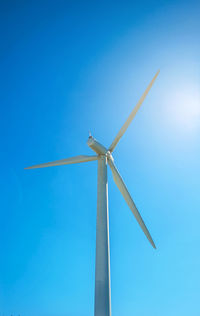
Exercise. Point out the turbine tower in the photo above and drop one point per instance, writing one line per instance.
(104, 157)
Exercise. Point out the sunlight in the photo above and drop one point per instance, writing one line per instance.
(184, 109)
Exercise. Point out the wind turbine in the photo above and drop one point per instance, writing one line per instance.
(104, 158)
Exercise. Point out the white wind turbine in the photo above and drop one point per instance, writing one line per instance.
(104, 157)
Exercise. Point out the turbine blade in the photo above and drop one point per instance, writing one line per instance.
(124, 191)
(66, 161)
(132, 115)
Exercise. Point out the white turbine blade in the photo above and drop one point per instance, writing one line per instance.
(66, 161)
(124, 191)
(132, 115)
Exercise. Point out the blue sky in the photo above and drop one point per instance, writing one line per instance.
(68, 67)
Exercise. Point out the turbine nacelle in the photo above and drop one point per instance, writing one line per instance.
(96, 146)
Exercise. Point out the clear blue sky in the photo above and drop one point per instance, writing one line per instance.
(68, 67)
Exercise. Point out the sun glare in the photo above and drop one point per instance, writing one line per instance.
(184, 109)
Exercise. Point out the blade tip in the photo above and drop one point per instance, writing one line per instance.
(154, 246)
(157, 73)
